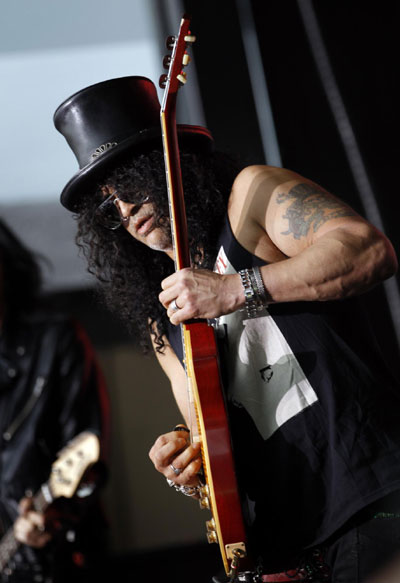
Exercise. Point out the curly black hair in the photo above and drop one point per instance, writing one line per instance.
(130, 272)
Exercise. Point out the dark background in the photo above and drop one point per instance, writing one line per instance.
(361, 40)
(362, 43)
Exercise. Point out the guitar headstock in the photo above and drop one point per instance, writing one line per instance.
(176, 61)
(71, 464)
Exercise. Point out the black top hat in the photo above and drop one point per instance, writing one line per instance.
(106, 120)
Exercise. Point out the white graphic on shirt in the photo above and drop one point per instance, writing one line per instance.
(222, 263)
(264, 375)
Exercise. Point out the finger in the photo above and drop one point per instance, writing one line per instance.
(37, 519)
(25, 504)
(175, 284)
(34, 539)
(28, 533)
(181, 462)
(162, 455)
(168, 281)
(167, 296)
(187, 312)
(190, 475)
(175, 306)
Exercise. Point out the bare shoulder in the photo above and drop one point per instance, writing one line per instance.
(277, 209)
(255, 185)
(252, 176)
(252, 197)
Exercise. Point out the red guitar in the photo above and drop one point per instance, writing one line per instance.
(220, 494)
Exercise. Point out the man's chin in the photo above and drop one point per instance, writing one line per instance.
(159, 241)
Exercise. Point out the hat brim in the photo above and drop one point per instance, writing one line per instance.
(87, 178)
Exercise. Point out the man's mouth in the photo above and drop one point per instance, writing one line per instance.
(143, 225)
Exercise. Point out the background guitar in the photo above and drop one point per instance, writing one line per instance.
(66, 475)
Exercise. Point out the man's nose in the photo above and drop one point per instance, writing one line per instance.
(127, 209)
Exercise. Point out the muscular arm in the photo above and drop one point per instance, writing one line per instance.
(328, 251)
(317, 248)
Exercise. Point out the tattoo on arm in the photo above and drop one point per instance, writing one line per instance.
(308, 209)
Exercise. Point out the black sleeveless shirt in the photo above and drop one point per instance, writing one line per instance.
(314, 415)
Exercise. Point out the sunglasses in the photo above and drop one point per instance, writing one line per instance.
(109, 215)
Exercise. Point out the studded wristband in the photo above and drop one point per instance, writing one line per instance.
(250, 295)
(260, 286)
(254, 290)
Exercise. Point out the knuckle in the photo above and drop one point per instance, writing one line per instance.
(160, 441)
(158, 460)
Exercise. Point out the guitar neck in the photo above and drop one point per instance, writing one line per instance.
(175, 192)
(205, 393)
(9, 544)
(171, 151)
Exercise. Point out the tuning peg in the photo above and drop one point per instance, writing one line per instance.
(170, 42)
(190, 38)
(182, 77)
(163, 80)
(166, 61)
(185, 60)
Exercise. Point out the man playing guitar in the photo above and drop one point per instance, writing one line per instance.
(278, 264)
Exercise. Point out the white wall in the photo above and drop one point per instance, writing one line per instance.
(49, 50)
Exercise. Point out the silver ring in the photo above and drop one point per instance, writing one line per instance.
(174, 306)
(176, 471)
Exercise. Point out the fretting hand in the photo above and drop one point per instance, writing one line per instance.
(29, 528)
(200, 293)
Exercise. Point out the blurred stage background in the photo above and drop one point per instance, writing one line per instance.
(311, 86)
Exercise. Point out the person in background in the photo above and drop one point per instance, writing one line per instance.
(51, 390)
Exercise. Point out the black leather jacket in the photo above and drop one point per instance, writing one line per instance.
(50, 390)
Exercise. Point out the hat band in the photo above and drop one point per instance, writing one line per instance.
(103, 148)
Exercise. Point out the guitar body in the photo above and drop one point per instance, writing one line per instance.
(221, 494)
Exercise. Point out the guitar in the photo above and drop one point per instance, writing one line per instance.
(66, 474)
(220, 493)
